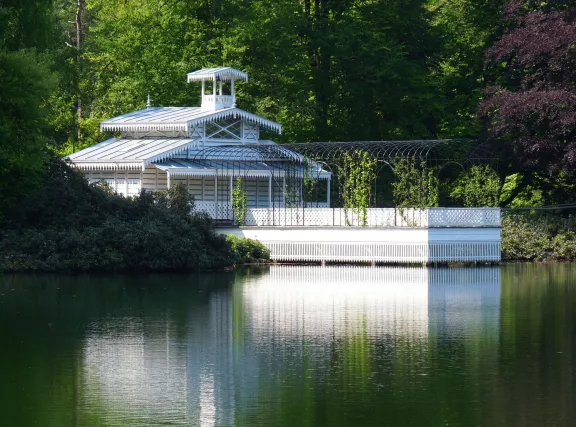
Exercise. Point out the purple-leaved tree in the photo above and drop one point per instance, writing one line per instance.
(531, 107)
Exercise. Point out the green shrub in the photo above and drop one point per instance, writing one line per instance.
(478, 187)
(564, 245)
(74, 227)
(247, 250)
(524, 238)
(535, 236)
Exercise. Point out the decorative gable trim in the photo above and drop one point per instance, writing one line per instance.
(237, 113)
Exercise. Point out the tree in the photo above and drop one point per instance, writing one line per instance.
(416, 184)
(530, 110)
(478, 187)
(26, 82)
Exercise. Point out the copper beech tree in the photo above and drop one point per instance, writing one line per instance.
(531, 107)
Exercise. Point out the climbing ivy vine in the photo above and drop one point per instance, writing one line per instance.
(310, 181)
(239, 202)
(356, 175)
(478, 187)
(416, 184)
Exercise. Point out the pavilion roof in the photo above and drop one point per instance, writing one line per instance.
(129, 153)
(223, 167)
(179, 118)
(221, 73)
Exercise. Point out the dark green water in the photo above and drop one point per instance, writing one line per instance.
(292, 346)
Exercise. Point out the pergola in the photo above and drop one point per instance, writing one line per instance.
(305, 172)
(440, 155)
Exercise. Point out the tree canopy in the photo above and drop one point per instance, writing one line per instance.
(328, 70)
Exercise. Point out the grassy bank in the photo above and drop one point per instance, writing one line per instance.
(536, 236)
(71, 226)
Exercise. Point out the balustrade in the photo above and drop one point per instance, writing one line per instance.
(375, 217)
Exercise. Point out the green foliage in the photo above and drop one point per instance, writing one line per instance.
(68, 225)
(478, 187)
(247, 250)
(533, 236)
(416, 184)
(310, 181)
(357, 174)
(465, 28)
(25, 83)
(180, 201)
(239, 202)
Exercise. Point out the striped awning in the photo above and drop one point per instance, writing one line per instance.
(221, 73)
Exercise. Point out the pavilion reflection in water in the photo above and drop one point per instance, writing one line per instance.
(248, 341)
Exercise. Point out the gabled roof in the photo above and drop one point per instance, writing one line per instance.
(222, 73)
(129, 153)
(178, 118)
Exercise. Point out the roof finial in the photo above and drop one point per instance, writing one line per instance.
(148, 104)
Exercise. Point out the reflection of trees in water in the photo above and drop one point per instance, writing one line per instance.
(295, 346)
(83, 349)
(534, 383)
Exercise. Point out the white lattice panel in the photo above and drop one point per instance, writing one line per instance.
(464, 217)
(207, 207)
(224, 211)
(260, 217)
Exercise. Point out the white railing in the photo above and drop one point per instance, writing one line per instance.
(385, 251)
(375, 217)
(385, 217)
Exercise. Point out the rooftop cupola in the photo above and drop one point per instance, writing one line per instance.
(222, 81)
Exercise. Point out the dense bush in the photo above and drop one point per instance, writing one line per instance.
(69, 225)
(533, 236)
(247, 250)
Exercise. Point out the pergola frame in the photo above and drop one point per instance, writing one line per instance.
(288, 166)
(463, 153)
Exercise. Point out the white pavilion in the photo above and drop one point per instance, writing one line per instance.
(204, 148)
(207, 148)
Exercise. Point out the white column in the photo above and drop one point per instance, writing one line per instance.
(230, 205)
(270, 191)
(328, 191)
(215, 191)
(168, 180)
(203, 89)
(214, 92)
(232, 92)
(220, 87)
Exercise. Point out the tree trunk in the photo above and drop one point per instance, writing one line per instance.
(79, 8)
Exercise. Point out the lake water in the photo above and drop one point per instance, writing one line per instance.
(292, 346)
